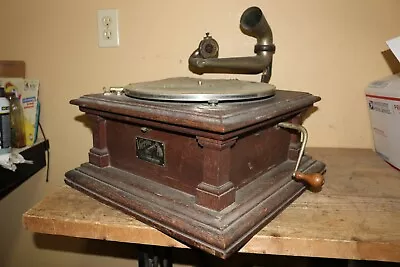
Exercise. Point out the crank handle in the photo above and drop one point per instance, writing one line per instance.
(314, 180)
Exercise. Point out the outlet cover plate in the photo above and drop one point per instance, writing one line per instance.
(108, 28)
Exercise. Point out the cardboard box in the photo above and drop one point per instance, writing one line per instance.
(383, 99)
(394, 45)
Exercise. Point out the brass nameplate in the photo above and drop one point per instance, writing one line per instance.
(150, 150)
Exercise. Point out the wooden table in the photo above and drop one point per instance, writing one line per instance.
(355, 216)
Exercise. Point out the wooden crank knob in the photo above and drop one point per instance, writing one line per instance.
(314, 180)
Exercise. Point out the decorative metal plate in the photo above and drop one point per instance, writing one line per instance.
(150, 150)
(199, 90)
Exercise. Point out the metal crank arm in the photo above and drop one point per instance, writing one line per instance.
(314, 180)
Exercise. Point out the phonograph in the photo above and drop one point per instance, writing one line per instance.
(207, 161)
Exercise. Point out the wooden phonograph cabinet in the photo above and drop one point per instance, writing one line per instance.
(207, 161)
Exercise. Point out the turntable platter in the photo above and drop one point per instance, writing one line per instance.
(199, 90)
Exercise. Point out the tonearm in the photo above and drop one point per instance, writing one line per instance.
(253, 23)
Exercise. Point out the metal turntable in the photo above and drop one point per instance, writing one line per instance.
(199, 90)
(207, 161)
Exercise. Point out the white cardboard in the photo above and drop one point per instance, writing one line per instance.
(383, 101)
(394, 45)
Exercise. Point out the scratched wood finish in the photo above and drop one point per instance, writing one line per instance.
(218, 232)
(212, 175)
(196, 138)
(223, 118)
(252, 153)
(258, 152)
(355, 216)
(183, 168)
(216, 154)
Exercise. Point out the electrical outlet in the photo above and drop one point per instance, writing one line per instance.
(108, 30)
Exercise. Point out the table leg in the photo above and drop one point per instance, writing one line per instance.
(153, 256)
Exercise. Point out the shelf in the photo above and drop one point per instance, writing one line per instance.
(10, 180)
(355, 216)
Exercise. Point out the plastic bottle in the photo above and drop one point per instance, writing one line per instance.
(17, 122)
(5, 127)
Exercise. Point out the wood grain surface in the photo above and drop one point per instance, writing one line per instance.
(355, 216)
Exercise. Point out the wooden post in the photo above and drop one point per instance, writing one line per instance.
(216, 191)
(98, 154)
